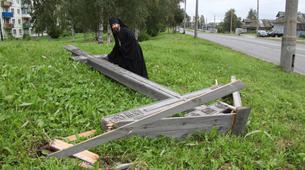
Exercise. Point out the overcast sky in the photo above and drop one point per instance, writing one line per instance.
(211, 8)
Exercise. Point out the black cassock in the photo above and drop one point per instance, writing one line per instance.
(127, 52)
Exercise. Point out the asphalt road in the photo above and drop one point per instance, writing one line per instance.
(268, 50)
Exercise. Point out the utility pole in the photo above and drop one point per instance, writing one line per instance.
(185, 17)
(196, 21)
(214, 25)
(290, 36)
(257, 16)
(231, 24)
(1, 34)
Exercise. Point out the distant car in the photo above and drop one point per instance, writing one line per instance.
(274, 34)
(262, 33)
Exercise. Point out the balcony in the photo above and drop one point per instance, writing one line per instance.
(6, 4)
(7, 14)
(26, 16)
(26, 26)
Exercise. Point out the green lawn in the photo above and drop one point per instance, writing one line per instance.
(44, 95)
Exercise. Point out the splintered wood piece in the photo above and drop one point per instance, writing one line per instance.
(84, 134)
(236, 95)
(240, 120)
(180, 105)
(86, 156)
(85, 165)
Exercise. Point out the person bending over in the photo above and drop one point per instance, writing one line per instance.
(127, 52)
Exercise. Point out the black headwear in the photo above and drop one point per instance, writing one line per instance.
(117, 21)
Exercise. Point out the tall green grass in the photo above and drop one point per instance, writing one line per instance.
(44, 95)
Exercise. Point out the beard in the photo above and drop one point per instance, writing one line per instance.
(116, 30)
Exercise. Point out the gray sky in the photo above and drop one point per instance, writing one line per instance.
(211, 8)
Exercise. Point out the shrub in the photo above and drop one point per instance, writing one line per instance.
(54, 32)
(26, 37)
(143, 36)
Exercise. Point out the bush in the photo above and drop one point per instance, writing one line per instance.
(302, 35)
(143, 36)
(66, 34)
(54, 32)
(26, 37)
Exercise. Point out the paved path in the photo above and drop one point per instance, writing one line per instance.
(267, 50)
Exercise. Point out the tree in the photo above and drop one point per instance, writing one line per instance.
(151, 16)
(236, 21)
(46, 17)
(252, 14)
(201, 21)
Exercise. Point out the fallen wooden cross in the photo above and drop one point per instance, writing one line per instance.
(155, 119)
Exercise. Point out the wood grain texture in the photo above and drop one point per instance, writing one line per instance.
(86, 156)
(179, 106)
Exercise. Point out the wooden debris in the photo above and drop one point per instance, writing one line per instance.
(84, 134)
(236, 95)
(121, 119)
(177, 106)
(240, 120)
(154, 119)
(123, 166)
(86, 156)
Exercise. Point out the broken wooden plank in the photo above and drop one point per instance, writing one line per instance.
(125, 77)
(81, 135)
(86, 156)
(134, 114)
(179, 106)
(236, 95)
(240, 120)
(112, 123)
(189, 124)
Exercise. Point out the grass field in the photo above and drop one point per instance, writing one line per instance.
(44, 95)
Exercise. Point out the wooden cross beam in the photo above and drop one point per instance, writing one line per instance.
(123, 118)
(145, 110)
(176, 106)
(129, 79)
(123, 76)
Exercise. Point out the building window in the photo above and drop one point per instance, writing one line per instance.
(13, 11)
(18, 1)
(19, 21)
(13, 21)
(20, 31)
(18, 11)
(14, 31)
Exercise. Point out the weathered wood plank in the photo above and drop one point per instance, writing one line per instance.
(179, 106)
(86, 156)
(112, 122)
(132, 80)
(236, 95)
(125, 77)
(135, 114)
(186, 123)
(240, 120)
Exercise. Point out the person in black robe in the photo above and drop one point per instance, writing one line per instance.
(126, 52)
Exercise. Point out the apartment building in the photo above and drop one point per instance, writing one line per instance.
(15, 18)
